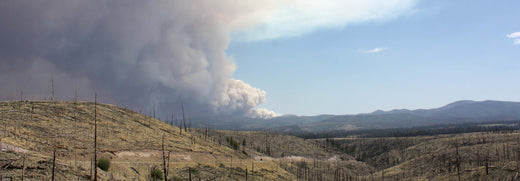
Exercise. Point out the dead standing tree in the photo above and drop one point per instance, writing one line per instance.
(165, 159)
(487, 162)
(54, 164)
(54, 154)
(23, 166)
(183, 117)
(95, 136)
(52, 87)
(75, 131)
(457, 160)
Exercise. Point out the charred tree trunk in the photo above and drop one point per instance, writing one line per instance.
(54, 165)
(95, 137)
(487, 166)
(458, 161)
(23, 167)
(75, 131)
(165, 167)
(52, 87)
(180, 128)
(189, 171)
(183, 117)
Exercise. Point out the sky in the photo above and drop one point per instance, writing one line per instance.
(432, 54)
(261, 58)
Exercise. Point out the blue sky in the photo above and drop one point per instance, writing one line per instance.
(435, 53)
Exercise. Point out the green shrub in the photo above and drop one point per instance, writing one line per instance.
(103, 164)
(156, 174)
(234, 144)
(194, 171)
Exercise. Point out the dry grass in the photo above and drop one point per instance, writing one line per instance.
(306, 159)
(131, 140)
(133, 143)
(272, 144)
(435, 157)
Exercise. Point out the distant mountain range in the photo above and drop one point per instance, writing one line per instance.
(456, 112)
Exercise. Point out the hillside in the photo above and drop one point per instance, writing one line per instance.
(470, 156)
(131, 141)
(457, 112)
(31, 130)
(306, 159)
(247, 123)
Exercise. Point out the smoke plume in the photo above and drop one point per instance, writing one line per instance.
(141, 53)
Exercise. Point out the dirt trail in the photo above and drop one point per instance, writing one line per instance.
(293, 158)
(11, 148)
(174, 156)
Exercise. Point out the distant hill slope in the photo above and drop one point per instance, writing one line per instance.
(467, 109)
(247, 123)
(456, 112)
(131, 140)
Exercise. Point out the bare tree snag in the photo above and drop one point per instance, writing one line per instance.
(183, 117)
(165, 167)
(189, 171)
(52, 87)
(180, 128)
(23, 167)
(54, 164)
(458, 160)
(95, 137)
(21, 100)
(487, 166)
(75, 131)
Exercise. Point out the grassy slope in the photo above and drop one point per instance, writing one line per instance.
(306, 159)
(131, 140)
(435, 157)
(271, 144)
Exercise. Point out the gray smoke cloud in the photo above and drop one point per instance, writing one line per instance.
(139, 53)
(136, 53)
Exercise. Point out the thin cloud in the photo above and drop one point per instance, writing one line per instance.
(375, 50)
(272, 19)
(515, 35)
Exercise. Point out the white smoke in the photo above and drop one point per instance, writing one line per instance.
(262, 113)
(158, 52)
